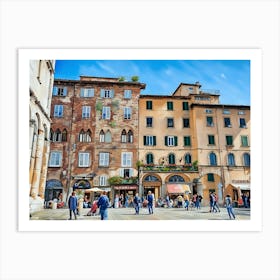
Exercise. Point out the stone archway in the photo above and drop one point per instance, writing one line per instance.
(152, 182)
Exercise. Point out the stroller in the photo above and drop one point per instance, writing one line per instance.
(93, 209)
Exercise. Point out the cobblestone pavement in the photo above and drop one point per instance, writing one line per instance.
(159, 214)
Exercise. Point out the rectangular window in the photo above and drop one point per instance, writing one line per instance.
(185, 105)
(126, 172)
(106, 113)
(127, 113)
(186, 122)
(244, 141)
(83, 159)
(149, 122)
(170, 122)
(149, 105)
(211, 139)
(241, 113)
(171, 141)
(227, 122)
(229, 140)
(126, 159)
(127, 93)
(209, 121)
(242, 123)
(149, 140)
(187, 141)
(169, 105)
(85, 112)
(87, 92)
(103, 159)
(107, 93)
(58, 111)
(103, 180)
(59, 91)
(208, 111)
(55, 159)
(210, 177)
(226, 112)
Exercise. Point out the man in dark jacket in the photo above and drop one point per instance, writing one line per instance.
(103, 204)
(150, 199)
(136, 201)
(72, 204)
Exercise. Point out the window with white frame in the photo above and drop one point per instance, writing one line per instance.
(123, 136)
(84, 160)
(59, 91)
(55, 159)
(58, 111)
(127, 93)
(127, 113)
(171, 141)
(106, 113)
(126, 159)
(103, 159)
(149, 140)
(87, 92)
(126, 172)
(107, 93)
(101, 136)
(85, 112)
(103, 180)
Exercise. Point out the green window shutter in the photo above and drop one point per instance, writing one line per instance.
(210, 177)
(185, 105)
(149, 105)
(165, 141)
(112, 93)
(169, 105)
(176, 140)
(187, 140)
(145, 140)
(154, 140)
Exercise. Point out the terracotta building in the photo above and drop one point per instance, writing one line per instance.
(94, 136)
(189, 143)
(40, 91)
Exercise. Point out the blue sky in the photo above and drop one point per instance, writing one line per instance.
(230, 77)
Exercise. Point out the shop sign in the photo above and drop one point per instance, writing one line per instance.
(125, 187)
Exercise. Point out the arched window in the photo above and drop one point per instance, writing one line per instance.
(108, 137)
(176, 179)
(123, 136)
(57, 135)
(213, 159)
(130, 136)
(149, 158)
(88, 136)
(151, 178)
(188, 159)
(101, 136)
(246, 159)
(51, 135)
(171, 159)
(81, 136)
(64, 135)
(231, 160)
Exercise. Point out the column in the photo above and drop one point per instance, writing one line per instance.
(44, 169)
(38, 163)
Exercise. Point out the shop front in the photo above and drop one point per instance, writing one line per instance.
(152, 183)
(53, 189)
(174, 190)
(240, 194)
(124, 193)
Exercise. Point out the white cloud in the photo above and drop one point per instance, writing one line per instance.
(223, 76)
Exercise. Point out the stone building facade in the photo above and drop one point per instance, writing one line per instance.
(190, 143)
(106, 134)
(40, 91)
(94, 136)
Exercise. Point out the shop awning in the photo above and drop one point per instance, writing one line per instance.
(187, 188)
(244, 187)
(175, 189)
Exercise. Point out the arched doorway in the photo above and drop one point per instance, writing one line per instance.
(152, 182)
(53, 189)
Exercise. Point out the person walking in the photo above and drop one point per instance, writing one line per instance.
(216, 206)
(103, 204)
(150, 199)
(136, 201)
(228, 203)
(187, 201)
(72, 204)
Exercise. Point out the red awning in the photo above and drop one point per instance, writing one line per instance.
(175, 188)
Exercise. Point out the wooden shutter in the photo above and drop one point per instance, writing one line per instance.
(175, 141)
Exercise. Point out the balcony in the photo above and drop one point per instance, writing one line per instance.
(169, 168)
